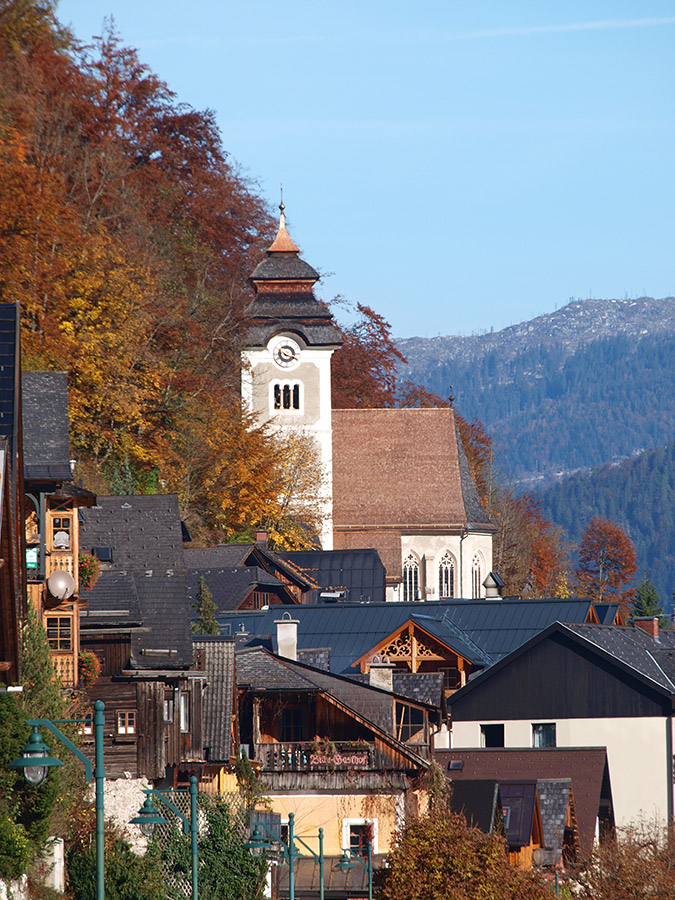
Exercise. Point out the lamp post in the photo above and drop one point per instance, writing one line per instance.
(148, 817)
(36, 762)
(318, 857)
(258, 845)
(346, 864)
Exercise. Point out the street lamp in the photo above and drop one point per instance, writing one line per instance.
(257, 845)
(36, 762)
(148, 817)
(345, 864)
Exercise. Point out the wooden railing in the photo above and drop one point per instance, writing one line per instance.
(308, 756)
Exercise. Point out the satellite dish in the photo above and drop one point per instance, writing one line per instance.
(61, 584)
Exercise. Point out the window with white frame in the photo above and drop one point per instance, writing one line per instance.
(286, 396)
(411, 578)
(357, 832)
(184, 711)
(476, 576)
(446, 577)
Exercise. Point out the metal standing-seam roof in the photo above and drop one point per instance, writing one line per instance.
(482, 631)
(359, 572)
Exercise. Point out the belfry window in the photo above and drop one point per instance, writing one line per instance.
(411, 578)
(286, 396)
(476, 579)
(446, 577)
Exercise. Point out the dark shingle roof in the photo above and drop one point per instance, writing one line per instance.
(555, 795)
(145, 535)
(45, 426)
(9, 370)
(585, 766)
(230, 556)
(230, 587)
(478, 801)
(359, 572)
(218, 655)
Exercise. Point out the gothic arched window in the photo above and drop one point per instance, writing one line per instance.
(476, 576)
(446, 577)
(411, 578)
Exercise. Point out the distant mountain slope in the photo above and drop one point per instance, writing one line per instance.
(639, 495)
(590, 383)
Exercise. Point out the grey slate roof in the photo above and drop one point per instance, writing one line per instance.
(472, 504)
(230, 556)
(554, 798)
(10, 374)
(423, 687)
(146, 539)
(359, 572)
(45, 426)
(230, 587)
(486, 630)
(219, 655)
(284, 268)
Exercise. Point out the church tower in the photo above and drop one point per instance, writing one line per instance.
(286, 361)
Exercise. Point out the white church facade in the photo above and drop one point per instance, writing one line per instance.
(396, 480)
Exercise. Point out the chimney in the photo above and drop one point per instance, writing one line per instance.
(381, 673)
(650, 624)
(261, 539)
(287, 636)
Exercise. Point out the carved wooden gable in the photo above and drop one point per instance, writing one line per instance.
(410, 646)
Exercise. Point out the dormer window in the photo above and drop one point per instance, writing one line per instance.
(286, 396)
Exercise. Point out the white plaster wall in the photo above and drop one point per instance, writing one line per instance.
(259, 370)
(431, 548)
(636, 751)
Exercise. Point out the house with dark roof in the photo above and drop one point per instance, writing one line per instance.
(53, 505)
(574, 787)
(339, 754)
(584, 685)
(12, 544)
(138, 624)
(355, 576)
(247, 576)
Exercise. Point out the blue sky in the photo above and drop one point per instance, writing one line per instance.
(457, 165)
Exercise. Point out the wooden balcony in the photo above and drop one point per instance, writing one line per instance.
(307, 756)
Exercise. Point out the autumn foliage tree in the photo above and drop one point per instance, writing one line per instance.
(607, 563)
(439, 857)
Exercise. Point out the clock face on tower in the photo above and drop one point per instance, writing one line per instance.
(286, 353)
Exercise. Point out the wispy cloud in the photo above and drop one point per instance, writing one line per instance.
(525, 30)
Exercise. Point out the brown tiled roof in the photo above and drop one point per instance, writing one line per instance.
(585, 766)
(401, 469)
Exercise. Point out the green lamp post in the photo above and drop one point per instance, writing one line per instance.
(345, 864)
(36, 762)
(258, 845)
(148, 817)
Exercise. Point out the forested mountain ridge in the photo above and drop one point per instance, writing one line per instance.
(588, 384)
(637, 494)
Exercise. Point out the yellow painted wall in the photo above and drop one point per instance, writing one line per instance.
(327, 811)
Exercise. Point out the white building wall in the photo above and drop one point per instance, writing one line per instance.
(431, 548)
(637, 751)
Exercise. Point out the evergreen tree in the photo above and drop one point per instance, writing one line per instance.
(207, 609)
(647, 602)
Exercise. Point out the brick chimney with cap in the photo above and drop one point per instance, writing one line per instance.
(650, 624)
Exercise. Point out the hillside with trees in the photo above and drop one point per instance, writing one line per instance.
(588, 384)
(637, 494)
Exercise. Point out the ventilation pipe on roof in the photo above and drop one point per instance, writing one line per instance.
(493, 585)
(381, 673)
(287, 636)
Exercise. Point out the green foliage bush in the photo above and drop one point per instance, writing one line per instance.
(127, 876)
(226, 870)
(15, 849)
